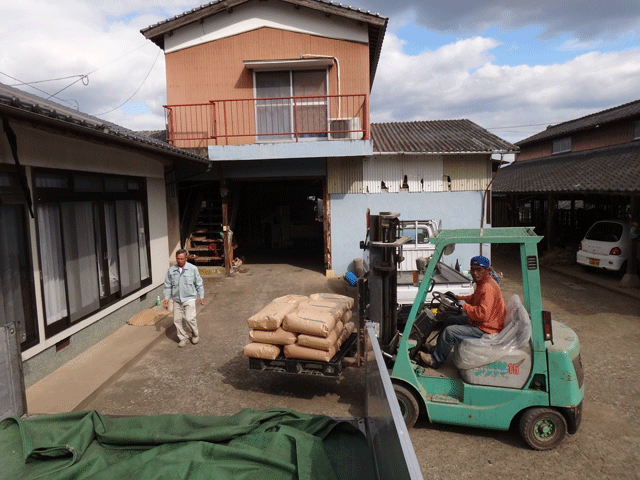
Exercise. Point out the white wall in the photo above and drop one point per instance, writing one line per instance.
(277, 15)
(348, 220)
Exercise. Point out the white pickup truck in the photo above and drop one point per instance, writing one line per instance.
(446, 279)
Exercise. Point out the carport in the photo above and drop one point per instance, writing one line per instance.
(563, 195)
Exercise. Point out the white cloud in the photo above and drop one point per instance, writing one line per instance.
(50, 40)
(584, 19)
(44, 40)
(461, 81)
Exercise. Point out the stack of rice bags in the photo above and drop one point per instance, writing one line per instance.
(266, 333)
(312, 328)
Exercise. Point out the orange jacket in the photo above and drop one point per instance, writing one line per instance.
(485, 307)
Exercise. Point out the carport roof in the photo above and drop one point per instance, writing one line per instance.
(436, 136)
(613, 170)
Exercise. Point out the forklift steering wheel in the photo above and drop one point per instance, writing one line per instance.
(448, 301)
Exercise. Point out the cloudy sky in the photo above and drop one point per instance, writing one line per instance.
(510, 68)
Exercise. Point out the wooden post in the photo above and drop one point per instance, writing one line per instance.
(224, 194)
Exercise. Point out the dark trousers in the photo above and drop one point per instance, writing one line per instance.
(456, 328)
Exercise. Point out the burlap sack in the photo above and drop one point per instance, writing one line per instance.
(271, 316)
(274, 337)
(296, 351)
(311, 322)
(291, 299)
(319, 343)
(347, 317)
(348, 329)
(261, 350)
(337, 309)
(333, 297)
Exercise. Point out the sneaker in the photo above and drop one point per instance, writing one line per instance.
(195, 340)
(183, 343)
(427, 360)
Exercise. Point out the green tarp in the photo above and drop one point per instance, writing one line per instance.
(253, 444)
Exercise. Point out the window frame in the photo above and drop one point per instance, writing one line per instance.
(562, 145)
(98, 200)
(271, 138)
(15, 195)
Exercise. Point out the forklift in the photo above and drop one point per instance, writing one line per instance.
(538, 388)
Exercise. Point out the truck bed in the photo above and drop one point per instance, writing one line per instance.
(446, 279)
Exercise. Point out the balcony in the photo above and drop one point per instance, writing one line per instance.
(273, 120)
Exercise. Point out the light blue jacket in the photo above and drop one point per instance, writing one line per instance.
(182, 287)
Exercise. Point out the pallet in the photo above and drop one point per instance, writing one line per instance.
(282, 364)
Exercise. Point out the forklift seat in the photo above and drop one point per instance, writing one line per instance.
(502, 359)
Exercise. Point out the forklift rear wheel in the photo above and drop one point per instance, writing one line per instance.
(543, 428)
(408, 405)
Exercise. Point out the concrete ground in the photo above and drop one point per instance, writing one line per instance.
(140, 371)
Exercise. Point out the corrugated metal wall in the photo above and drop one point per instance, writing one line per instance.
(467, 172)
(423, 172)
(344, 175)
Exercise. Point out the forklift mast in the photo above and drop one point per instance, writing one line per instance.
(381, 294)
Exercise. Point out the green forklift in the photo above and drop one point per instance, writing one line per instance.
(530, 378)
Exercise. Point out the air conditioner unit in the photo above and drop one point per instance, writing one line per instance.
(343, 129)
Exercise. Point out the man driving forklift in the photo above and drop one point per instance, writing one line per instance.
(483, 312)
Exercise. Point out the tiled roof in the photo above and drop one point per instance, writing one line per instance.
(621, 112)
(613, 169)
(226, 4)
(15, 102)
(436, 136)
(377, 23)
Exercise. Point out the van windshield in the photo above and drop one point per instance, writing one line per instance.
(605, 232)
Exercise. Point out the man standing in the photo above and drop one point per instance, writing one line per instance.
(182, 283)
(483, 312)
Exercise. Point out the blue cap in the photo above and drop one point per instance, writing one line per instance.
(480, 261)
(351, 278)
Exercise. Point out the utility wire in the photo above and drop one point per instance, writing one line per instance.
(82, 77)
(38, 89)
(134, 93)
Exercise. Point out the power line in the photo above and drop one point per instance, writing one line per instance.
(40, 90)
(521, 126)
(81, 77)
(134, 93)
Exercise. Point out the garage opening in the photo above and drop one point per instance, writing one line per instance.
(278, 221)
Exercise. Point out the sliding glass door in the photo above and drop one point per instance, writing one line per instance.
(93, 245)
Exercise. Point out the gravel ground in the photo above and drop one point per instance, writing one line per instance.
(212, 378)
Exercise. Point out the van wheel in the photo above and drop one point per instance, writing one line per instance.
(543, 428)
(408, 405)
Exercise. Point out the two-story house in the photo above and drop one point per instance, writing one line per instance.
(276, 94)
(573, 174)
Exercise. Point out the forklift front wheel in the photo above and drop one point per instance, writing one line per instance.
(408, 405)
(543, 428)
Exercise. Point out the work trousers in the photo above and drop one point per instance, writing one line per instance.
(184, 315)
(456, 328)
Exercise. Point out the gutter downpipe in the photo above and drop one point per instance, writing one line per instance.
(335, 60)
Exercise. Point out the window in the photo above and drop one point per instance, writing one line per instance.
(16, 276)
(288, 103)
(636, 130)
(561, 145)
(93, 243)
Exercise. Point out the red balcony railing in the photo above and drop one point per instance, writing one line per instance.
(268, 120)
